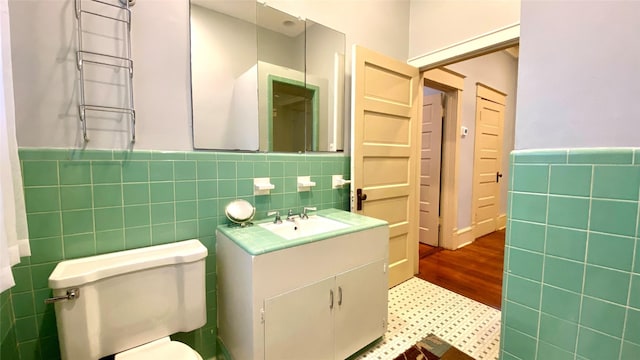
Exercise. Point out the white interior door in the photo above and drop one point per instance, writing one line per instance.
(385, 152)
(430, 168)
(487, 159)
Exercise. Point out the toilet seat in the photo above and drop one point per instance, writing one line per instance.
(161, 349)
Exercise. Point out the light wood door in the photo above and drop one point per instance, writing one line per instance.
(361, 308)
(299, 324)
(386, 152)
(430, 168)
(487, 160)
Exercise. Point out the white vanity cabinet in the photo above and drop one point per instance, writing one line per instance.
(324, 299)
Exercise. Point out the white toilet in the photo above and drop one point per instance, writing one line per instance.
(127, 303)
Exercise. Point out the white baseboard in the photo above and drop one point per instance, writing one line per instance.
(464, 237)
(502, 221)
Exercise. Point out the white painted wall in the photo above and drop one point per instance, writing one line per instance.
(45, 77)
(579, 80)
(435, 24)
(498, 70)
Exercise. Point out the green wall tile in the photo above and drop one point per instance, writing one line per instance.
(132, 155)
(226, 170)
(22, 278)
(594, 345)
(134, 194)
(168, 155)
(630, 351)
(79, 245)
(566, 243)
(42, 154)
(107, 195)
(261, 169)
(529, 207)
(108, 218)
(185, 190)
(184, 170)
(523, 291)
(531, 178)
(616, 182)
(76, 197)
(23, 304)
(46, 250)
(561, 303)
(26, 329)
(632, 327)
(519, 344)
(162, 192)
(207, 208)
(163, 234)
(42, 199)
(135, 171)
(201, 155)
(75, 172)
(636, 158)
(137, 237)
(106, 172)
(43, 225)
(186, 210)
(601, 156)
(208, 189)
(29, 350)
(607, 284)
(244, 187)
(563, 273)
(227, 188)
(568, 211)
(636, 262)
(186, 230)
(40, 275)
(570, 180)
(75, 154)
(522, 318)
(162, 213)
(540, 157)
(137, 215)
(602, 316)
(207, 170)
(230, 156)
(548, 351)
(110, 241)
(610, 251)
(526, 264)
(161, 170)
(558, 332)
(634, 292)
(245, 170)
(614, 217)
(40, 173)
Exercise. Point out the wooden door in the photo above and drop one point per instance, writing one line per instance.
(299, 324)
(487, 170)
(386, 152)
(430, 168)
(361, 308)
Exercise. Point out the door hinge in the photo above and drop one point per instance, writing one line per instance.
(443, 99)
(384, 268)
(262, 316)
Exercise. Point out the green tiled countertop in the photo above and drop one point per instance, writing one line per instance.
(257, 240)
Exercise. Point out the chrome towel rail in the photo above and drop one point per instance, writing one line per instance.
(119, 12)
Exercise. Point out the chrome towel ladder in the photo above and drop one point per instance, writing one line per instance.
(119, 12)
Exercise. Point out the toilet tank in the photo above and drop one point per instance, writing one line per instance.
(129, 298)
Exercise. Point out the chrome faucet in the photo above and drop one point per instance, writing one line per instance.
(277, 219)
(290, 215)
(304, 214)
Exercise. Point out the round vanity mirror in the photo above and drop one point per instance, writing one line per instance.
(240, 211)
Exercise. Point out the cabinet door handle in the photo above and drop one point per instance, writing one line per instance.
(331, 299)
(339, 295)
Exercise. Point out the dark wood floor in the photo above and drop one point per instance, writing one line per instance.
(474, 271)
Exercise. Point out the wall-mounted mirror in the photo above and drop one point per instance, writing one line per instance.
(263, 80)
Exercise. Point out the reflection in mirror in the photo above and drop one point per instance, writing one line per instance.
(250, 90)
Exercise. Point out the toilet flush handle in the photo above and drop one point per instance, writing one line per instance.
(72, 294)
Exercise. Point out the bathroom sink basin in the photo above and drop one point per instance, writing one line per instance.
(298, 228)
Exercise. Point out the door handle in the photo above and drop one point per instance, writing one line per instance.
(331, 299)
(498, 176)
(339, 295)
(361, 197)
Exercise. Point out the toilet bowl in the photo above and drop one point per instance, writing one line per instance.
(127, 303)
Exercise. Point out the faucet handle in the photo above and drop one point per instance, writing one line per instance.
(304, 214)
(277, 219)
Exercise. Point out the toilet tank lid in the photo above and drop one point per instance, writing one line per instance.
(70, 273)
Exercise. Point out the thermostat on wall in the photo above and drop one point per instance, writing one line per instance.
(464, 131)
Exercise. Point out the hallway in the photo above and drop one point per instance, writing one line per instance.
(474, 271)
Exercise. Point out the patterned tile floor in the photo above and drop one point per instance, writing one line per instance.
(418, 308)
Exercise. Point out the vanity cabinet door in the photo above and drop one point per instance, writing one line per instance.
(299, 324)
(361, 308)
